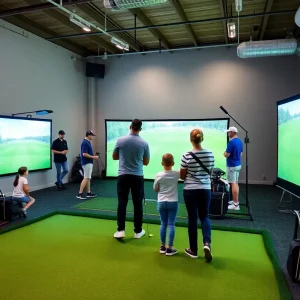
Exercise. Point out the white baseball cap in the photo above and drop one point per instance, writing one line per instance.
(232, 129)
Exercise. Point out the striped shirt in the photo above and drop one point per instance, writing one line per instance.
(196, 176)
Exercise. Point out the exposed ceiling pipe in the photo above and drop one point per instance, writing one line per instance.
(267, 48)
(162, 50)
(37, 7)
(282, 12)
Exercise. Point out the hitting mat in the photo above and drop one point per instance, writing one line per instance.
(111, 204)
(72, 257)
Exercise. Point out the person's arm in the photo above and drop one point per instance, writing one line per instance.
(228, 150)
(146, 158)
(67, 149)
(85, 154)
(156, 184)
(25, 187)
(53, 149)
(183, 174)
(115, 154)
(183, 168)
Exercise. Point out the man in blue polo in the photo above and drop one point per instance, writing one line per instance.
(233, 155)
(133, 153)
(87, 157)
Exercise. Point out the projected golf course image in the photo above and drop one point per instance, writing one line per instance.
(24, 143)
(288, 144)
(168, 137)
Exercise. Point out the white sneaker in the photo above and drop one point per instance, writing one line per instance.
(139, 235)
(119, 234)
(231, 202)
(234, 207)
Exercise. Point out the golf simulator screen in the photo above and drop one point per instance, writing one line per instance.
(24, 142)
(168, 136)
(288, 166)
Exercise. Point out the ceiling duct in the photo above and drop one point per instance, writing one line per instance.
(127, 4)
(267, 48)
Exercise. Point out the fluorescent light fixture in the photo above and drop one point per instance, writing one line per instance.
(84, 25)
(126, 4)
(231, 30)
(238, 5)
(120, 44)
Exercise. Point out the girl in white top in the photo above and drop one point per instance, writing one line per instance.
(165, 184)
(21, 190)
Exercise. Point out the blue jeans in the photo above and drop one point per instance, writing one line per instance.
(197, 204)
(60, 175)
(167, 211)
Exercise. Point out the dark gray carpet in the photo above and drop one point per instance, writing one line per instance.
(264, 202)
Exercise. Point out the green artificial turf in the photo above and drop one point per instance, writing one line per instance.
(30, 153)
(175, 141)
(111, 204)
(288, 152)
(72, 257)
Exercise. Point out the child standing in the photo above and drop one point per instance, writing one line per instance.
(165, 184)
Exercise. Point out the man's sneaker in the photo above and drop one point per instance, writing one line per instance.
(171, 252)
(190, 253)
(139, 235)
(234, 207)
(59, 187)
(231, 202)
(207, 252)
(91, 195)
(80, 196)
(162, 250)
(63, 186)
(119, 234)
(24, 212)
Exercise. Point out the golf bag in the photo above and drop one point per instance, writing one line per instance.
(220, 194)
(77, 171)
(293, 261)
(9, 209)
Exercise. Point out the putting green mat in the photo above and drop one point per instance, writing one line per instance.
(72, 257)
(111, 204)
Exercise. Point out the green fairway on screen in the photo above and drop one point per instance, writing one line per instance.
(288, 141)
(168, 137)
(24, 143)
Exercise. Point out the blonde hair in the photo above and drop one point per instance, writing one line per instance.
(196, 136)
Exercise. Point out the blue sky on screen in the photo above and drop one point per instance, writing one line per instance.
(293, 107)
(14, 128)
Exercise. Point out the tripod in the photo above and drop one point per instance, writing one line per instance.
(248, 207)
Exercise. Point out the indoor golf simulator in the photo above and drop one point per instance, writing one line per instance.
(73, 256)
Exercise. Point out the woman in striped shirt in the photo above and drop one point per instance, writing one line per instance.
(197, 192)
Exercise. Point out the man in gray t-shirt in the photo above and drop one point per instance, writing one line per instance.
(133, 153)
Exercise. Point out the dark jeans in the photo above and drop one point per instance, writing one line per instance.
(136, 185)
(197, 204)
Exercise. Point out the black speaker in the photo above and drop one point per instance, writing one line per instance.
(95, 70)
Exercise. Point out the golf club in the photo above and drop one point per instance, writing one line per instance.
(145, 213)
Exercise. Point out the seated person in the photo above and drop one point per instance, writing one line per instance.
(21, 190)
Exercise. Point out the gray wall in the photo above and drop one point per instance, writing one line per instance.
(36, 74)
(194, 85)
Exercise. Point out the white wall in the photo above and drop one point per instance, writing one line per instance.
(36, 74)
(194, 84)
